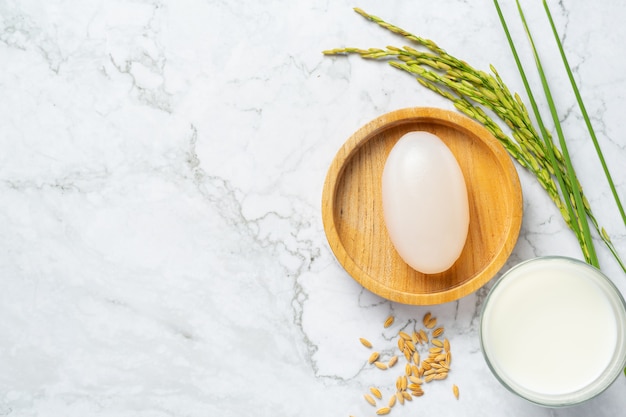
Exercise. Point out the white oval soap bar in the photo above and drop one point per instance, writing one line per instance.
(425, 202)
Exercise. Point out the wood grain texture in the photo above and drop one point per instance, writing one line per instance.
(353, 218)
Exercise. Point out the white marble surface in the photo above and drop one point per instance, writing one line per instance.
(161, 166)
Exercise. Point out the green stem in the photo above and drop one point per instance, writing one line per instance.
(582, 218)
(584, 113)
(544, 132)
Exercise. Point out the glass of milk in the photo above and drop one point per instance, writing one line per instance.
(553, 331)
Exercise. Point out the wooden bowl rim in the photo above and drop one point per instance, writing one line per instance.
(371, 130)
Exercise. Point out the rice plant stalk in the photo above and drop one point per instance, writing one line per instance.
(583, 110)
(576, 206)
(546, 138)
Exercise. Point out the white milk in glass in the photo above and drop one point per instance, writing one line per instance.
(552, 328)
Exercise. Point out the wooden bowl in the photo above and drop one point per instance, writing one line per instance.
(353, 218)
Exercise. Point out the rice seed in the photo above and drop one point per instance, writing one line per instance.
(365, 342)
(416, 357)
(407, 396)
(429, 372)
(407, 354)
(392, 401)
(417, 393)
(400, 397)
(392, 361)
(437, 343)
(431, 323)
(426, 318)
(446, 345)
(409, 344)
(423, 336)
(438, 332)
(442, 371)
(383, 411)
(421, 372)
(415, 380)
(373, 357)
(376, 393)
(440, 358)
(413, 387)
(426, 365)
(415, 370)
(435, 350)
(407, 369)
(403, 383)
(380, 365)
(401, 344)
(436, 365)
(448, 357)
(429, 378)
(455, 391)
(415, 338)
(404, 335)
(370, 400)
(441, 376)
(389, 321)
